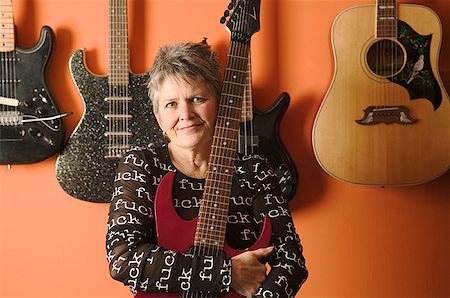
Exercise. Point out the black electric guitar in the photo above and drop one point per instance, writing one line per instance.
(30, 126)
(259, 134)
(385, 118)
(173, 232)
(117, 116)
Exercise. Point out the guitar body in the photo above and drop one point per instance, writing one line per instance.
(168, 224)
(267, 143)
(22, 143)
(376, 130)
(82, 169)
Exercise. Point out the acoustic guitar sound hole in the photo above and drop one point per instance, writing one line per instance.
(385, 58)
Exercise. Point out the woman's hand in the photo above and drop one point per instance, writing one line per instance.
(248, 273)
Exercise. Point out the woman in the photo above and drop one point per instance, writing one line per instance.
(184, 88)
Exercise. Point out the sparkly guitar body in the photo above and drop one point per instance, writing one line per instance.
(85, 168)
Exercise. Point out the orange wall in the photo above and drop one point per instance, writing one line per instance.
(358, 241)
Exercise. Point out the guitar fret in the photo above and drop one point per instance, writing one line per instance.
(231, 95)
(386, 19)
(217, 225)
(221, 156)
(238, 84)
(220, 181)
(7, 39)
(238, 57)
(211, 230)
(217, 196)
(227, 175)
(118, 43)
(214, 221)
(235, 70)
(230, 107)
(215, 206)
(212, 233)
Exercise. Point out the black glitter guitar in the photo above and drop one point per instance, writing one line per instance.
(31, 128)
(117, 116)
(385, 118)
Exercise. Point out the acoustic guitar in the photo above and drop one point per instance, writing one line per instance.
(243, 22)
(117, 116)
(385, 118)
(31, 128)
(259, 134)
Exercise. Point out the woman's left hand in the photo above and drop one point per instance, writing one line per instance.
(248, 273)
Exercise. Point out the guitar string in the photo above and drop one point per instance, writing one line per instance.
(236, 52)
(9, 63)
(250, 105)
(3, 68)
(394, 28)
(126, 72)
(121, 59)
(111, 75)
(221, 153)
(215, 183)
(221, 156)
(14, 79)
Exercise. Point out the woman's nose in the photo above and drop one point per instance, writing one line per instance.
(185, 110)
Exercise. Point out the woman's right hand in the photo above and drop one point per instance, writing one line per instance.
(248, 273)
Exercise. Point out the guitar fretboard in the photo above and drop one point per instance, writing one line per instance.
(6, 26)
(386, 19)
(247, 105)
(212, 219)
(118, 43)
(118, 133)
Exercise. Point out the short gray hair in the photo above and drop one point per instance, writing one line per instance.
(187, 61)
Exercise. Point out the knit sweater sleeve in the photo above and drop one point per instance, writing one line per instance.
(287, 264)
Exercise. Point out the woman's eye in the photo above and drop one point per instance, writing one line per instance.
(170, 104)
(197, 99)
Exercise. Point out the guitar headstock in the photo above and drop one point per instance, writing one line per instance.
(243, 19)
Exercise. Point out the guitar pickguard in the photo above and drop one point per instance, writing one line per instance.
(417, 75)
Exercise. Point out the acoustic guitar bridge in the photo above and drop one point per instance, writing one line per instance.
(387, 115)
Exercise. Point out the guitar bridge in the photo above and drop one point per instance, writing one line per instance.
(387, 115)
(10, 118)
(116, 151)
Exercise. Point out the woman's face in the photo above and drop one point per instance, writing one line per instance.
(187, 113)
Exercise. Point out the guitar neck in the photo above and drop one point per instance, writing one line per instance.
(7, 38)
(118, 43)
(386, 19)
(247, 105)
(211, 227)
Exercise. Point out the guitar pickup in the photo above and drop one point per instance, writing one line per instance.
(118, 134)
(248, 142)
(387, 115)
(119, 99)
(118, 117)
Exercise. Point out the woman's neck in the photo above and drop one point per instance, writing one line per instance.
(192, 163)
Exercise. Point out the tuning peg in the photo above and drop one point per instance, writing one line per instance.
(226, 13)
(223, 20)
(231, 5)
